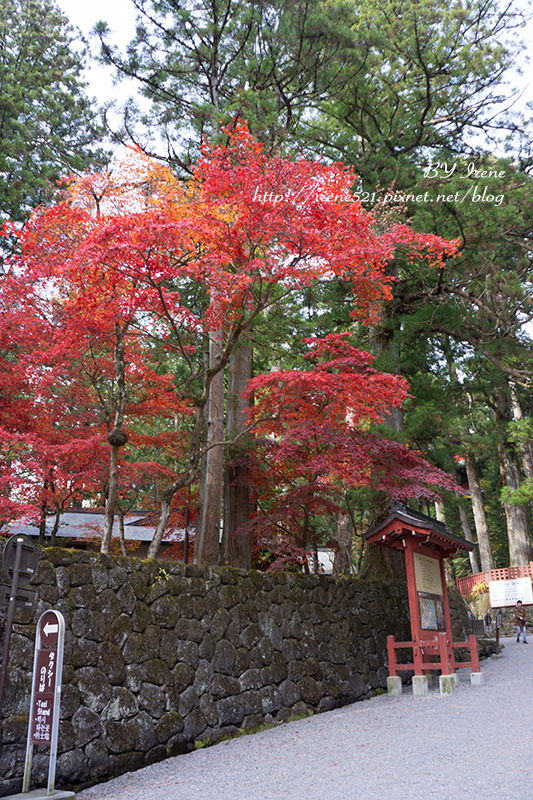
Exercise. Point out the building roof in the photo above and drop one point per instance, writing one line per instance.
(86, 524)
(431, 533)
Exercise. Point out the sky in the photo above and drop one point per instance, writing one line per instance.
(120, 16)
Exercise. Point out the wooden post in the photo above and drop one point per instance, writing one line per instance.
(474, 653)
(450, 655)
(445, 666)
(414, 610)
(393, 672)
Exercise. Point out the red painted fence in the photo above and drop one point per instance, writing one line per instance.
(466, 585)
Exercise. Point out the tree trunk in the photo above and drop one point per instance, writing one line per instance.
(206, 546)
(480, 519)
(439, 511)
(237, 547)
(121, 536)
(111, 499)
(303, 541)
(525, 448)
(342, 562)
(186, 534)
(117, 437)
(448, 566)
(472, 555)
(316, 562)
(185, 480)
(517, 521)
(164, 515)
(42, 524)
(57, 520)
(380, 562)
(44, 505)
(448, 563)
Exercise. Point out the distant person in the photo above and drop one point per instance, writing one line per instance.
(488, 622)
(520, 619)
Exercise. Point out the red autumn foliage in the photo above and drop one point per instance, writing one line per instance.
(122, 283)
(314, 441)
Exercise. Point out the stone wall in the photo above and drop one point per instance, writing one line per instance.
(159, 655)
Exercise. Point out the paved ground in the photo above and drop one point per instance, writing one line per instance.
(475, 744)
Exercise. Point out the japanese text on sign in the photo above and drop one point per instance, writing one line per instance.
(43, 701)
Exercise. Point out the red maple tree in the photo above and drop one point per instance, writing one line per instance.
(125, 284)
(315, 439)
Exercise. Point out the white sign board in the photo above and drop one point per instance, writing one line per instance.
(427, 574)
(506, 593)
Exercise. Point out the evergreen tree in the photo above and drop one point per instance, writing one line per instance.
(48, 127)
(201, 64)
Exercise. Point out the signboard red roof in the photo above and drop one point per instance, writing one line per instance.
(431, 533)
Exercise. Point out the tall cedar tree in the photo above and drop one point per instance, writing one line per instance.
(48, 126)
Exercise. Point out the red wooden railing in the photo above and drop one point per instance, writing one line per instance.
(466, 585)
(439, 648)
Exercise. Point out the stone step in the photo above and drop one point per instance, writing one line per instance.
(41, 794)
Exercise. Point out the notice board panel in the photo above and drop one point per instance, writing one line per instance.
(427, 574)
(506, 593)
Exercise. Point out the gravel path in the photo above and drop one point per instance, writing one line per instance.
(475, 744)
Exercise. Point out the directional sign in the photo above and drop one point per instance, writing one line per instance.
(49, 629)
(45, 693)
(29, 557)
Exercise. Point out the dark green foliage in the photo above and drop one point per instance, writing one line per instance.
(203, 63)
(431, 76)
(372, 83)
(47, 125)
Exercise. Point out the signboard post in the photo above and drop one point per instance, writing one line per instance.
(45, 693)
(498, 626)
(425, 542)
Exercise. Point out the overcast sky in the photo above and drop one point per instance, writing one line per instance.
(120, 16)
